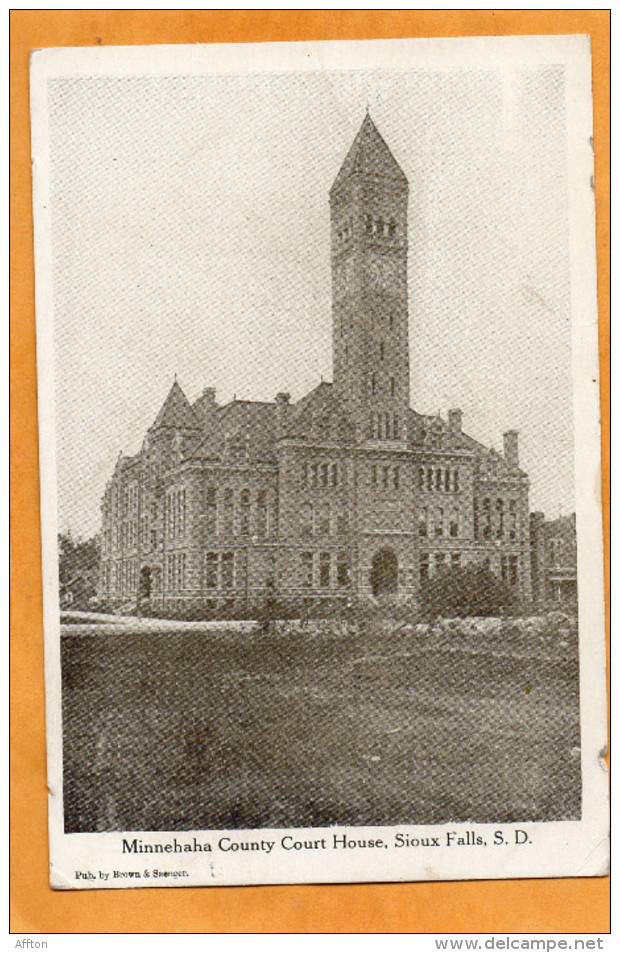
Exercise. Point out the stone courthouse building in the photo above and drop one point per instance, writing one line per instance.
(348, 491)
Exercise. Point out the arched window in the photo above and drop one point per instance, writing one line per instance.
(454, 521)
(439, 521)
(379, 226)
(423, 521)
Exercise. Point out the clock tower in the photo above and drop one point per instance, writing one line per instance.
(368, 203)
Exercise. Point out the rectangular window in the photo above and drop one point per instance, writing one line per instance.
(323, 520)
(306, 570)
(386, 477)
(261, 514)
(211, 510)
(505, 568)
(315, 474)
(373, 475)
(440, 561)
(342, 569)
(424, 567)
(396, 427)
(324, 569)
(455, 481)
(211, 571)
(499, 526)
(446, 480)
(324, 474)
(438, 479)
(341, 524)
(513, 570)
(455, 560)
(304, 474)
(421, 478)
(429, 478)
(334, 474)
(228, 570)
(396, 478)
(228, 514)
(306, 519)
(512, 519)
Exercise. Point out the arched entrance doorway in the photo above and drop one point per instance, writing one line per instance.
(145, 583)
(384, 574)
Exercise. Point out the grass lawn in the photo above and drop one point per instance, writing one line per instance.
(206, 730)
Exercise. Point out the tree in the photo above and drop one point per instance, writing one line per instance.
(79, 558)
(470, 591)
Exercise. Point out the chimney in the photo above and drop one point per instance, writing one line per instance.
(282, 405)
(511, 448)
(455, 420)
(208, 394)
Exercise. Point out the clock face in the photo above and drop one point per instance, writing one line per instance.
(384, 274)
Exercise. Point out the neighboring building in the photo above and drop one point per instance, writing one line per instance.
(347, 491)
(554, 559)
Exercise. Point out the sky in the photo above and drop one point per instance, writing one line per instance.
(190, 236)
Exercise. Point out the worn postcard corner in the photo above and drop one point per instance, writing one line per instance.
(319, 440)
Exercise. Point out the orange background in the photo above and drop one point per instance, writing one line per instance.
(568, 905)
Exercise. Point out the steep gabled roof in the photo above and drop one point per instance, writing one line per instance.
(321, 415)
(176, 412)
(369, 155)
(246, 424)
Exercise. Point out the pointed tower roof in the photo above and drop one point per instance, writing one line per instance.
(370, 155)
(176, 411)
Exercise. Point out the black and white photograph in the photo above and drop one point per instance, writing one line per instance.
(319, 437)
